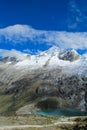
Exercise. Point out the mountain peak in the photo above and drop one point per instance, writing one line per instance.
(54, 48)
(53, 51)
(70, 55)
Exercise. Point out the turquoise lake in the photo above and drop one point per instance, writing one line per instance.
(61, 112)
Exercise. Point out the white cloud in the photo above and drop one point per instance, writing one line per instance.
(76, 16)
(27, 51)
(12, 53)
(22, 34)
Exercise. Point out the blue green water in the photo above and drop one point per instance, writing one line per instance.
(61, 112)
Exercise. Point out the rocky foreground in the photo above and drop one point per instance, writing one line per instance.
(42, 123)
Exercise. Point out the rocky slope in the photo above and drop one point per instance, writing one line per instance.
(51, 79)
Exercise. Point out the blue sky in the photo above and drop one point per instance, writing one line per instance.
(40, 14)
(45, 14)
(35, 25)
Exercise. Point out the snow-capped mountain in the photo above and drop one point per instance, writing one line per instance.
(69, 60)
(71, 55)
(60, 75)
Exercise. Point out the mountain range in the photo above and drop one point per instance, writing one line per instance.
(51, 79)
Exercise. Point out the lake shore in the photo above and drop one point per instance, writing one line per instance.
(35, 122)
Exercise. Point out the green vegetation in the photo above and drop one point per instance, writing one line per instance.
(5, 100)
(26, 120)
(48, 123)
(23, 94)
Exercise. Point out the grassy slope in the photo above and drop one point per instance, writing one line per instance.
(10, 102)
(5, 100)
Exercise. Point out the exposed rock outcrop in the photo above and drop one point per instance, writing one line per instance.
(69, 55)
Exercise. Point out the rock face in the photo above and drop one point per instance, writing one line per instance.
(9, 59)
(49, 89)
(69, 55)
(51, 86)
(69, 92)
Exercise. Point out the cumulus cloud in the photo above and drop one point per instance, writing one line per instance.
(22, 35)
(12, 53)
